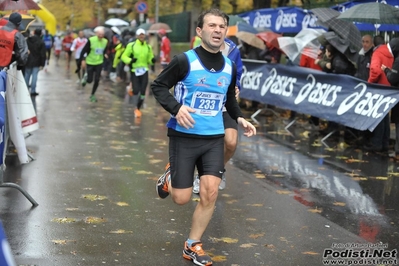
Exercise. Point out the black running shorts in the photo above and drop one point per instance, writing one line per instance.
(186, 153)
(229, 122)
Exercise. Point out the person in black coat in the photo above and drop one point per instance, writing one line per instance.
(36, 59)
(364, 59)
(393, 78)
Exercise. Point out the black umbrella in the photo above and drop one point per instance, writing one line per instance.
(348, 32)
(342, 45)
(376, 13)
(324, 14)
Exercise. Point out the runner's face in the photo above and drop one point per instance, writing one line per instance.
(212, 33)
(100, 34)
(141, 37)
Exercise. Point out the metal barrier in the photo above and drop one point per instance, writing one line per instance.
(8, 115)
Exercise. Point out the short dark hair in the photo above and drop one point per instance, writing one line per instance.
(212, 11)
(378, 40)
(38, 32)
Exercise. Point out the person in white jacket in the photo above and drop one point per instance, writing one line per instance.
(77, 47)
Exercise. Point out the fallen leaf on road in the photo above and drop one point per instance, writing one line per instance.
(315, 210)
(94, 220)
(355, 161)
(248, 245)
(381, 178)
(142, 172)
(271, 246)
(122, 204)
(283, 191)
(254, 236)
(310, 253)
(93, 197)
(227, 240)
(64, 220)
(61, 241)
(359, 178)
(121, 231)
(155, 161)
(219, 258)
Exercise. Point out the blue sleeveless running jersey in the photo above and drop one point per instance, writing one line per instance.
(204, 91)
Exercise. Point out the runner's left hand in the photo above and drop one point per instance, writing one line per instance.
(249, 129)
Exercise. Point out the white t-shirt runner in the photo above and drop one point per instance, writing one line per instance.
(77, 46)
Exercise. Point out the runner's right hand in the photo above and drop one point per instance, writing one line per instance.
(184, 118)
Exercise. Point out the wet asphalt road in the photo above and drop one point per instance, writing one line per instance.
(287, 197)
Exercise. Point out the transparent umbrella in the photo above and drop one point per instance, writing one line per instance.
(116, 22)
(305, 42)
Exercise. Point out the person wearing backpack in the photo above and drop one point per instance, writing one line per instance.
(138, 54)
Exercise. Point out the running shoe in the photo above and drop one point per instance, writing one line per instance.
(84, 80)
(222, 184)
(137, 113)
(196, 254)
(93, 99)
(162, 184)
(196, 184)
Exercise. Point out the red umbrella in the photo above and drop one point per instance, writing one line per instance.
(18, 5)
(270, 38)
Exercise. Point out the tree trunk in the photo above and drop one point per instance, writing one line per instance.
(234, 4)
(216, 4)
(195, 11)
(257, 4)
(282, 3)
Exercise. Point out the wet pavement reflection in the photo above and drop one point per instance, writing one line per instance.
(356, 189)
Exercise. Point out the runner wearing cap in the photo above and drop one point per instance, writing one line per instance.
(138, 54)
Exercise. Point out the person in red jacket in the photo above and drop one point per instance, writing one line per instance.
(66, 46)
(382, 55)
(165, 48)
(14, 46)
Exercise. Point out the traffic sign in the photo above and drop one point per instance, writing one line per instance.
(141, 7)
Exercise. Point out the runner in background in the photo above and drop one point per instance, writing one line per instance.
(77, 47)
(57, 48)
(66, 45)
(164, 55)
(48, 42)
(92, 58)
